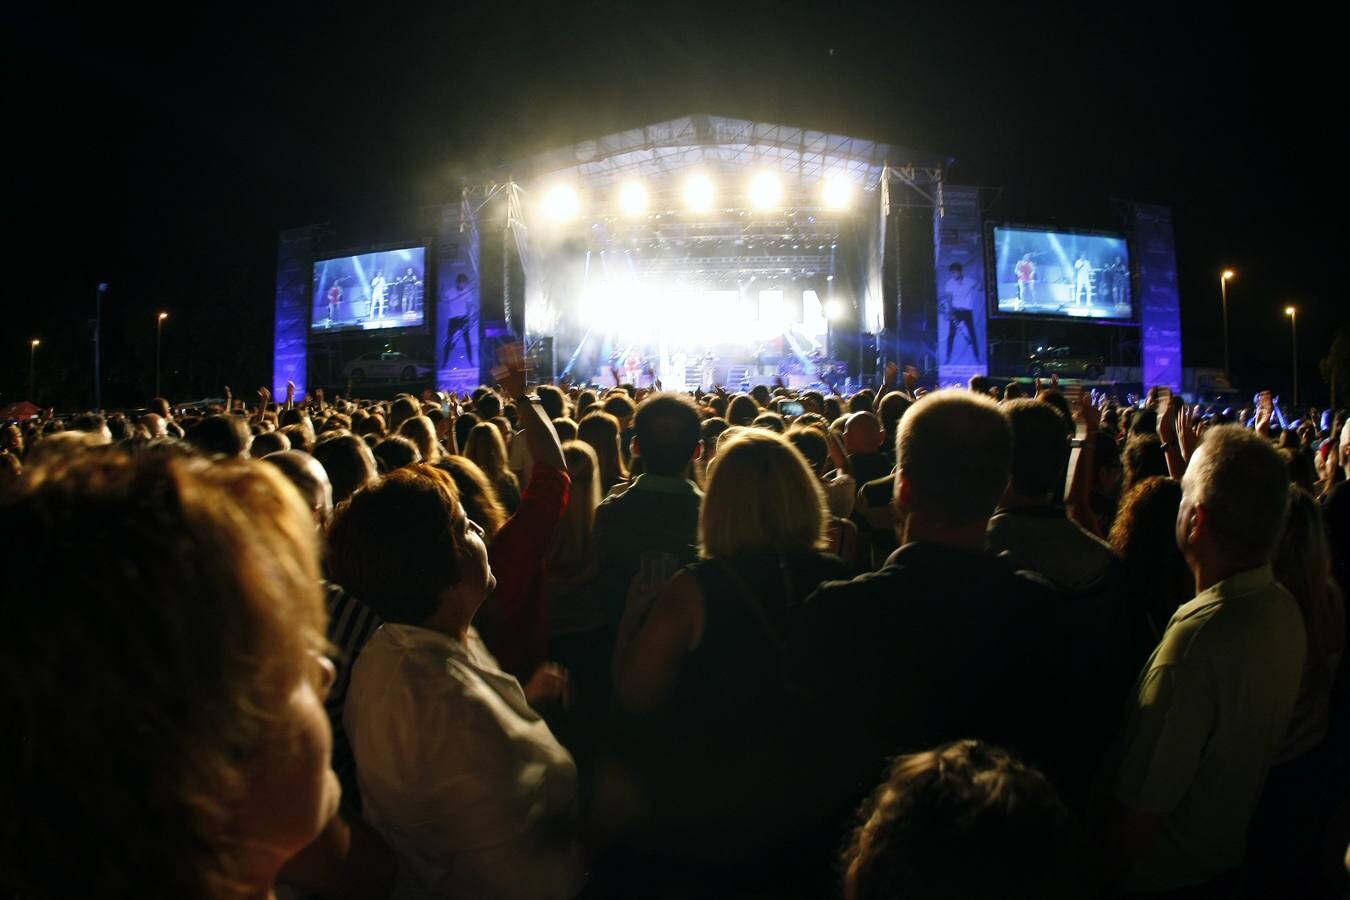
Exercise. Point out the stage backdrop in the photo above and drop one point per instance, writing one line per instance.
(457, 327)
(1156, 262)
(963, 340)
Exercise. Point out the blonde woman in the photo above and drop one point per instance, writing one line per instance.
(174, 748)
(707, 655)
(487, 449)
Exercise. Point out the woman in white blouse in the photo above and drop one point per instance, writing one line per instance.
(456, 770)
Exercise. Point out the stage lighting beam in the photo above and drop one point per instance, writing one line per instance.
(560, 203)
(766, 192)
(632, 198)
(837, 193)
(698, 193)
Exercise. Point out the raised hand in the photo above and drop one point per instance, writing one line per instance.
(264, 395)
(892, 371)
(1088, 413)
(1189, 426)
(1263, 417)
(1167, 421)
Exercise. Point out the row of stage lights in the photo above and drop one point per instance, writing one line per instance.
(562, 203)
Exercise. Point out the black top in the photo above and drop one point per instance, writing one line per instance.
(870, 466)
(941, 644)
(738, 667)
(724, 770)
(653, 515)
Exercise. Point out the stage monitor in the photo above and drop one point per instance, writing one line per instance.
(1069, 274)
(370, 291)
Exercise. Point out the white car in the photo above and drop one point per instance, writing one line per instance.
(391, 366)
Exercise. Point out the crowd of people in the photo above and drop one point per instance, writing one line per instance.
(1001, 641)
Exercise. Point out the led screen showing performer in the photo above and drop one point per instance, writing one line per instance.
(1062, 273)
(370, 291)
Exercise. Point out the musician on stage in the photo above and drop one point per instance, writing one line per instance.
(377, 294)
(1082, 281)
(334, 299)
(1026, 279)
(407, 289)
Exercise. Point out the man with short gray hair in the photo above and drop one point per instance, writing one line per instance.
(947, 641)
(1214, 701)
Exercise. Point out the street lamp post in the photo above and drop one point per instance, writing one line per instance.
(159, 339)
(1224, 278)
(1292, 313)
(98, 361)
(32, 369)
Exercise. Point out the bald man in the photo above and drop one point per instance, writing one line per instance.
(863, 440)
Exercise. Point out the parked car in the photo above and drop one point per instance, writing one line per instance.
(385, 365)
(1064, 362)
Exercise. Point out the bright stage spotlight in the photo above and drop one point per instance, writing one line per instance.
(560, 203)
(698, 193)
(834, 310)
(837, 192)
(766, 192)
(632, 198)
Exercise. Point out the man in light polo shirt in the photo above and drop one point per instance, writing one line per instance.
(1214, 701)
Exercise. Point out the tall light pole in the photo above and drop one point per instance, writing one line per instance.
(1224, 278)
(1292, 313)
(159, 339)
(32, 368)
(98, 327)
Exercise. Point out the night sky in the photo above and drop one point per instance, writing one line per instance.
(163, 154)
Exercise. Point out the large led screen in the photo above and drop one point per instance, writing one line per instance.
(1041, 272)
(370, 291)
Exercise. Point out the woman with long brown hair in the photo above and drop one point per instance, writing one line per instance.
(601, 430)
(487, 449)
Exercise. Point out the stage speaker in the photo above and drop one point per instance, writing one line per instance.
(502, 284)
(912, 248)
(867, 351)
(541, 360)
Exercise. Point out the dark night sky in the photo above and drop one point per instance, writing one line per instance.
(163, 154)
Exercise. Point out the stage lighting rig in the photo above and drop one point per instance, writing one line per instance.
(560, 203)
(698, 193)
(837, 193)
(766, 192)
(632, 198)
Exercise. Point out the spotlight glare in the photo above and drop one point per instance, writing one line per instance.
(837, 192)
(1288, 310)
(632, 198)
(560, 203)
(765, 191)
(834, 310)
(698, 193)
